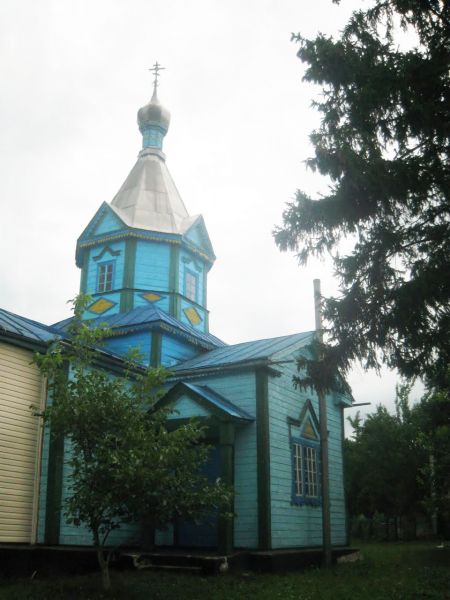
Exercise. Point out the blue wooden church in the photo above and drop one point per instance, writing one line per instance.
(145, 262)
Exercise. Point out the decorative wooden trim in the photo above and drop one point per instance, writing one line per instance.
(263, 460)
(124, 234)
(104, 251)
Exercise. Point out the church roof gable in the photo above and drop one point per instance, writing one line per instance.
(105, 220)
(208, 401)
(195, 232)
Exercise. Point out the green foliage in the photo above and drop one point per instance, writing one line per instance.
(432, 416)
(383, 462)
(387, 572)
(384, 143)
(399, 465)
(322, 370)
(125, 464)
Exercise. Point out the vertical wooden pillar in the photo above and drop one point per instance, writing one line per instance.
(174, 284)
(55, 475)
(126, 296)
(156, 348)
(263, 461)
(226, 447)
(323, 427)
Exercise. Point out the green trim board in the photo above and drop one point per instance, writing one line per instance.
(127, 293)
(263, 459)
(155, 350)
(226, 449)
(175, 304)
(84, 273)
(55, 473)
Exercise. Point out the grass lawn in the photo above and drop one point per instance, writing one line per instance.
(409, 571)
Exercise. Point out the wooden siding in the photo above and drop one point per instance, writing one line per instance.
(185, 408)
(175, 351)
(124, 343)
(294, 525)
(162, 304)
(152, 266)
(20, 386)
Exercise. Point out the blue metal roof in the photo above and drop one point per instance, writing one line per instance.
(17, 326)
(143, 315)
(246, 352)
(219, 401)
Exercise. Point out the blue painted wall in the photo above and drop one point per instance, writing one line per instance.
(301, 525)
(121, 345)
(152, 266)
(162, 304)
(174, 350)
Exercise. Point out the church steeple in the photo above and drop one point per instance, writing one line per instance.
(144, 248)
(153, 118)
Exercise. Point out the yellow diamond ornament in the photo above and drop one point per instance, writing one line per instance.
(192, 315)
(151, 297)
(100, 306)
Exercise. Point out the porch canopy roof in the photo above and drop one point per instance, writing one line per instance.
(191, 400)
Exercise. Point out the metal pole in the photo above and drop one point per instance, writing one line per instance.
(326, 521)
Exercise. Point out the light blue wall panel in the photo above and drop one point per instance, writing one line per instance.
(91, 279)
(300, 525)
(194, 236)
(174, 351)
(108, 223)
(124, 343)
(185, 408)
(152, 266)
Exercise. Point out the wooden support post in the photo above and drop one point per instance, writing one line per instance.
(326, 520)
(226, 445)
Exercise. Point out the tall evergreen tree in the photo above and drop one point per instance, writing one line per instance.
(384, 143)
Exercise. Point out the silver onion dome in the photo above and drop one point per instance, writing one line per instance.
(153, 114)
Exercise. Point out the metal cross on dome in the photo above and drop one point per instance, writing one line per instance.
(155, 70)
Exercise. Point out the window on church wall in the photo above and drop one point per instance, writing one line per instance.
(190, 286)
(305, 448)
(105, 277)
(305, 460)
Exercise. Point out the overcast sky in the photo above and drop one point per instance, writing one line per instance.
(74, 74)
